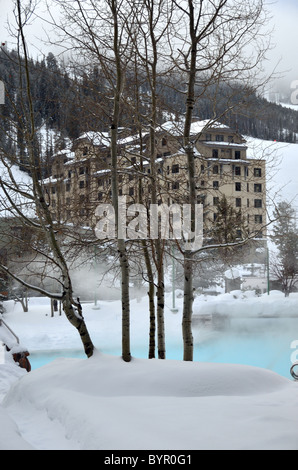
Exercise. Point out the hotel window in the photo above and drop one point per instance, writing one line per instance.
(258, 203)
(175, 185)
(175, 168)
(258, 188)
(258, 219)
(257, 172)
(238, 201)
(237, 155)
(237, 186)
(215, 185)
(219, 138)
(238, 170)
(215, 153)
(215, 201)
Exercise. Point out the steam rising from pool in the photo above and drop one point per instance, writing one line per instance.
(260, 342)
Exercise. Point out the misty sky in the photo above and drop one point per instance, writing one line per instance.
(285, 38)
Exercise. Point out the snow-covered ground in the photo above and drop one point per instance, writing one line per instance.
(104, 403)
(281, 174)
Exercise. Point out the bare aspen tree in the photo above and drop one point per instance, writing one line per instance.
(96, 31)
(115, 8)
(210, 43)
(216, 39)
(149, 277)
(152, 21)
(28, 203)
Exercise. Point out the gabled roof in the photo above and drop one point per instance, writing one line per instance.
(99, 139)
(176, 128)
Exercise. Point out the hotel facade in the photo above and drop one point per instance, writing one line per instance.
(80, 177)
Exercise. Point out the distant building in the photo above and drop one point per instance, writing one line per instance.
(81, 177)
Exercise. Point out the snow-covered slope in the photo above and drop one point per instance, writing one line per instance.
(19, 181)
(282, 168)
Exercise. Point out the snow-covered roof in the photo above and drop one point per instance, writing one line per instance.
(50, 179)
(232, 273)
(225, 144)
(66, 153)
(176, 128)
(96, 138)
(101, 172)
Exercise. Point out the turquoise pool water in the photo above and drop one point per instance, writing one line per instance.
(266, 343)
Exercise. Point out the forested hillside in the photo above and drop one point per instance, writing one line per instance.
(70, 101)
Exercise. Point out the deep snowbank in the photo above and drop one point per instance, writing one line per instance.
(10, 437)
(247, 305)
(104, 403)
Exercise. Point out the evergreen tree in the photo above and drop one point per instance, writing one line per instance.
(285, 237)
(229, 223)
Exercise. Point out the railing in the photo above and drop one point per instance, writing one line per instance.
(2, 322)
